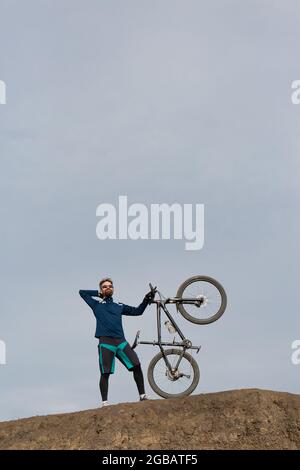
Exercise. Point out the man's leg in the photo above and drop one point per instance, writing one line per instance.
(139, 379)
(129, 358)
(107, 365)
(103, 384)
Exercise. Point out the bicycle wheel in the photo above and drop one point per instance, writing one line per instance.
(209, 297)
(181, 382)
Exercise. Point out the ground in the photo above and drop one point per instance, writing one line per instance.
(237, 419)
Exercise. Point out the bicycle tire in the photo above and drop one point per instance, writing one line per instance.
(161, 392)
(210, 319)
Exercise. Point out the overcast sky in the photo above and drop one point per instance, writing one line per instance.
(161, 101)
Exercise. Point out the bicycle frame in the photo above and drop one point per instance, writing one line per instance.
(185, 344)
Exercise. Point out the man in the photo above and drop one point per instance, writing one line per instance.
(109, 331)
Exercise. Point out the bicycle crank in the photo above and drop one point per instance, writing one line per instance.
(175, 375)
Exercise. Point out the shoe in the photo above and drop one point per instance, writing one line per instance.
(144, 397)
(105, 403)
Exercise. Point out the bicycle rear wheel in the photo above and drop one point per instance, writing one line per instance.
(207, 302)
(173, 385)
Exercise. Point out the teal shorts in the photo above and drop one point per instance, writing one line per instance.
(110, 348)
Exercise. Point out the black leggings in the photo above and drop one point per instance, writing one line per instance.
(137, 375)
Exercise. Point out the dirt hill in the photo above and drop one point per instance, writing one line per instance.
(238, 419)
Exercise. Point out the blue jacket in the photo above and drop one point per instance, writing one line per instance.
(109, 313)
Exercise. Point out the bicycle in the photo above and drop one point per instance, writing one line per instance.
(175, 367)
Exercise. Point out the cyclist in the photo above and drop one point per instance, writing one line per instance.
(109, 331)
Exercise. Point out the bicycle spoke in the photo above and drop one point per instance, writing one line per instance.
(163, 378)
(208, 293)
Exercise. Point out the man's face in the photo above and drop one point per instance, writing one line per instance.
(107, 289)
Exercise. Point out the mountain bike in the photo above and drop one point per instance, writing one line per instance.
(174, 373)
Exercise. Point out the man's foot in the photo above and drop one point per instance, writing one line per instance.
(105, 403)
(144, 397)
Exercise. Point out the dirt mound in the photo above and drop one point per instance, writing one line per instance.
(238, 419)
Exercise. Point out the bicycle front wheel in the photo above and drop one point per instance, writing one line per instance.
(203, 301)
(180, 382)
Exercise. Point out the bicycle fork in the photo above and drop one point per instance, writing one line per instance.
(173, 373)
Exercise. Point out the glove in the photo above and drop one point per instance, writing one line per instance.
(150, 295)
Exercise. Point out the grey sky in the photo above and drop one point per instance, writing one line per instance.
(169, 101)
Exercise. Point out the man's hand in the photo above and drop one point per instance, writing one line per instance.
(150, 295)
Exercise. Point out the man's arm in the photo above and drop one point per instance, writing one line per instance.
(128, 310)
(88, 295)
